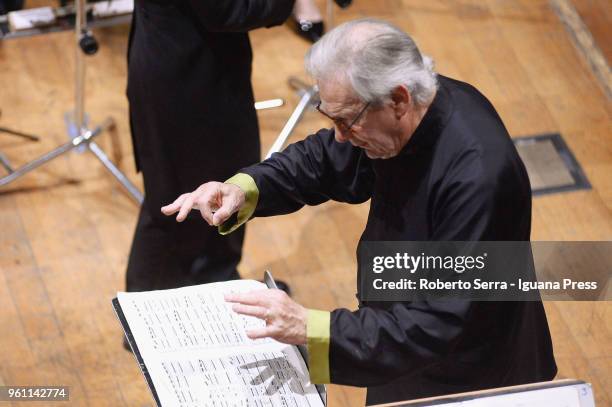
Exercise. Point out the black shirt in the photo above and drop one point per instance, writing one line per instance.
(458, 178)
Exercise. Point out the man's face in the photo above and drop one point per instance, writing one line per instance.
(375, 129)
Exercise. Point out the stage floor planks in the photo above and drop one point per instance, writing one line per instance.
(65, 229)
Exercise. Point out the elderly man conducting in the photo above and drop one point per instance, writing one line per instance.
(437, 163)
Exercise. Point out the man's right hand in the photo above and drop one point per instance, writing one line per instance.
(215, 200)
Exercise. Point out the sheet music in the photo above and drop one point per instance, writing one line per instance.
(197, 352)
(194, 317)
(270, 377)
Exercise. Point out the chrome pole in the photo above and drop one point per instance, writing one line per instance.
(308, 95)
(80, 29)
(45, 158)
(109, 165)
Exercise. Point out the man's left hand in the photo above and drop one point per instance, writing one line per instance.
(285, 318)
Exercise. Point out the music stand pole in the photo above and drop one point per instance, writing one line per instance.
(80, 29)
(85, 43)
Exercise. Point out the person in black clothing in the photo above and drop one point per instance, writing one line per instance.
(434, 158)
(10, 5)
(192, 115)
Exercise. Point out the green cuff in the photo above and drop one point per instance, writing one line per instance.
(247, 184)
(317, 331)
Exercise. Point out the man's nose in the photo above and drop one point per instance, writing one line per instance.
(340, 136)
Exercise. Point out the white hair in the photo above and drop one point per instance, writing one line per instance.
(375, 57)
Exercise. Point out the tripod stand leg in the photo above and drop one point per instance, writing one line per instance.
(86, 138)
(5, 163)
(305, 101)
(45, 158)
(108, 164)
(119, 176)
(19, 134)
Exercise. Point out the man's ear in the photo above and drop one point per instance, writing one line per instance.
(402, 100)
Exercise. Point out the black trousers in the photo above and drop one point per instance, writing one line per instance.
(192, 120)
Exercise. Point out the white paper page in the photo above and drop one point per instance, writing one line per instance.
(189, 318)
(266, 376)
(181, 332)
(30, 18)
(566, 396)
(553, 397)
(112, 8)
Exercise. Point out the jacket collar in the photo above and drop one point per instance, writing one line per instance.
(426, 134)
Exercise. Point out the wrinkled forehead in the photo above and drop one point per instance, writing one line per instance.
(337, 96)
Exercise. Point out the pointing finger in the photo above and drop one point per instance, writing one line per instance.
(174, 206)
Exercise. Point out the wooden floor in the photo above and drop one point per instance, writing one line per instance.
(597, 16)
(65, 229)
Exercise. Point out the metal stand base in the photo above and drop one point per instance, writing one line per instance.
(85, 139)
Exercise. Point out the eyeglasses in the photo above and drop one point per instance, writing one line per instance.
(340, 123)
